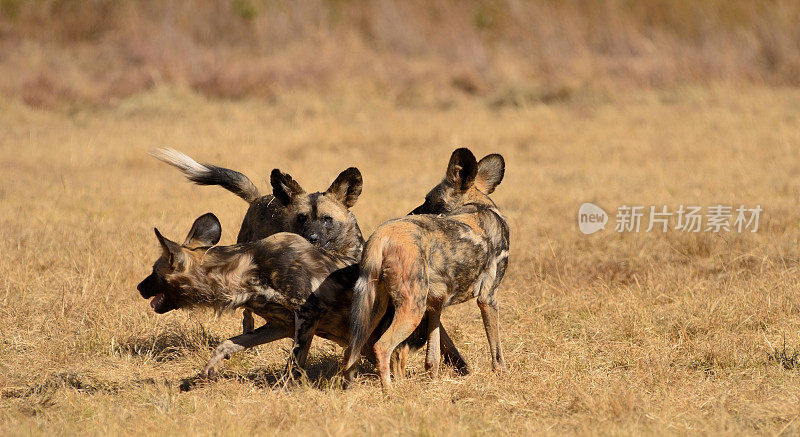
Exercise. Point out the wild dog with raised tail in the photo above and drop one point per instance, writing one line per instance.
(323, 218)
(454, 251)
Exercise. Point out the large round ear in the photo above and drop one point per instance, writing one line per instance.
(490, 173)
(171, 249)
(347, 187)
(284, 188)
(462, 169)
(205, 231)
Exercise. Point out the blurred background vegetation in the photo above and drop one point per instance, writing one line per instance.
(418, 52)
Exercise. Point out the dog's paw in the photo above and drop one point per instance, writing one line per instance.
(192, 383)
(208, 374)
(462, 369)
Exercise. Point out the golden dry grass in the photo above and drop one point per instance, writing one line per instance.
(603, 334)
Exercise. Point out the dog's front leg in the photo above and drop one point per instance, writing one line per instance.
(264, 334)
(306, 320)
(305, 328)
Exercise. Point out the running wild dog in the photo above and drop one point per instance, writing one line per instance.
(419, 264)
(301, 290)
(283, 278)
(323, 218)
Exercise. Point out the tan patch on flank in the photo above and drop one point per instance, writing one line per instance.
(398, 229)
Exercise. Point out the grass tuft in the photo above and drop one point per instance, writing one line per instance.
(787, 357)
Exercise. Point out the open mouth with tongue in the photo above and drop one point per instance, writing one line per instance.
(157, 291)
(157, 301)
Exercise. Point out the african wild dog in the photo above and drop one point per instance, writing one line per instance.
(274, 277)
(422, 263)
(324, 219)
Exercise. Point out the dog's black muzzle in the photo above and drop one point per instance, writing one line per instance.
(147, 288)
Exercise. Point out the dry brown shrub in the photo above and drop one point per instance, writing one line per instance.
(242, 48)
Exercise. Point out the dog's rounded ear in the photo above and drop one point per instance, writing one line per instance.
(171, 249)
(284, 188)
(206, 231)
(347, 187)
(462, 169)
(491, 170)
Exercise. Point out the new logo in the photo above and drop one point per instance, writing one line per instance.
(591, 218)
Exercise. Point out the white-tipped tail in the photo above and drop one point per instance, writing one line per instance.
(191, 168)
(207, 174)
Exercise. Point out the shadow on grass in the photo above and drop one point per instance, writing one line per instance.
(75, 381)
(320, 372)
(170, 342)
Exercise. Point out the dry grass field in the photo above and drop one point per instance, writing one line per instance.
(659, 333)
(652, 102)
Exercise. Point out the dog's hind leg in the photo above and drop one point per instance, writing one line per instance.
(264, 334)
(450, 353)
(433, 358)
(398, 362)
(406, 318)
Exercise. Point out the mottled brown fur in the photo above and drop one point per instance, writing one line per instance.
(323, 218)
(454, 250)
(282, 273)
(300, 289)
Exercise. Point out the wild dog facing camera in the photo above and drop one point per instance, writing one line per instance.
(323, 218)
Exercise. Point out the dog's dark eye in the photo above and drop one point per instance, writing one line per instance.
(327, 219)
(301, 218)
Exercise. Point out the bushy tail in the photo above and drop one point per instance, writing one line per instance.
(367, 307)
(206, 174)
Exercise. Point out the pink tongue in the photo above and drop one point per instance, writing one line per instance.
(156, 300)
